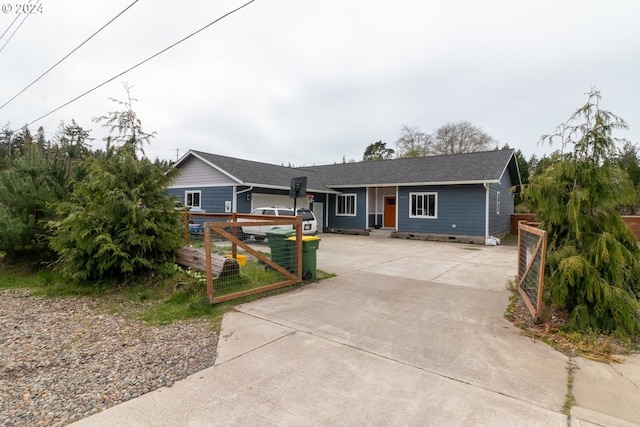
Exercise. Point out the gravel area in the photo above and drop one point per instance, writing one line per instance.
(62, 360)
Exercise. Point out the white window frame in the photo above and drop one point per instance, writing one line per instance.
(425, 194)
(354, 204)
(497, 203)
(191, 193)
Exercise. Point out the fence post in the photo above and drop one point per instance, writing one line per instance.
(234, 232)
(186, 227)
(207, 255)
(298, 227)
(543, 260)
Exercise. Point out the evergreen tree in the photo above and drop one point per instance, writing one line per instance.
(20, 140)
(593, 261)
(628, 161)
(377, 151)
(126, 125)
(72, 140)
(6, 138)
(30, 189)
(120, 220)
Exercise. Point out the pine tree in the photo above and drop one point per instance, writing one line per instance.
(593, 260)
(30, 189)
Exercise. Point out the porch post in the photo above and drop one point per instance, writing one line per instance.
(486, 212)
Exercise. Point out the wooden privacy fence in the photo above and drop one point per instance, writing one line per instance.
(238, 264)
(532, 250)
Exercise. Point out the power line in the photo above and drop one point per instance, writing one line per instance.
(17, 28)
(9, 27)
(141, 62)
(67, 55)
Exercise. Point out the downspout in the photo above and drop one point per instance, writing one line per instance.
(235, 196)
(486, 213)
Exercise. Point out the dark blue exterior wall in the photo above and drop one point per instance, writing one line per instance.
(212, 199)
(244, 205)
(358, 222)
(500, 223)
(319, 198)
(459, 205)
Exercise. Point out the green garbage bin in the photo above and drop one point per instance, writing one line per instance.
(282, 250)
(310, 245)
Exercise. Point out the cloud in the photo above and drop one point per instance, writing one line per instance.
(285, 81)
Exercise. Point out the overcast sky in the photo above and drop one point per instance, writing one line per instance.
(313, 82)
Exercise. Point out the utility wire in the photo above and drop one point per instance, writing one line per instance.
(9, 27)
(17, 28)
(68, 55)
(142, 62)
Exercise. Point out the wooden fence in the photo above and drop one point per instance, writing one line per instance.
(633, 221)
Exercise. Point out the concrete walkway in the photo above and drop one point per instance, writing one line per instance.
(408, 333)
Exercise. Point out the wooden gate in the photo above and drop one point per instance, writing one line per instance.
(532, 250)
(224, 232)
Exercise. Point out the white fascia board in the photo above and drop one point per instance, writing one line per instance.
(413, 184)
(182, 159)
(282, 187)
(506, 168)
(200, 186)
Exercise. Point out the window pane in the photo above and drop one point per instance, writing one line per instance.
(423, 205)
(432, 205)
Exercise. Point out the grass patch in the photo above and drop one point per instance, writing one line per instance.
(156, 299)
(159, 300)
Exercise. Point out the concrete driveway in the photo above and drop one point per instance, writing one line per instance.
(408, 333)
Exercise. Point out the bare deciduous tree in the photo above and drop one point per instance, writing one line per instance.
(460, 137)
(412, 142)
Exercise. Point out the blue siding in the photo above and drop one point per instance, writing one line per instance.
(500, 223)
(212, 199)
(319, 198)
(244, 205)
(459, 205)
(358, 222)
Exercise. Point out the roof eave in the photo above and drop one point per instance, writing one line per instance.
(413, 184)
(283, 187)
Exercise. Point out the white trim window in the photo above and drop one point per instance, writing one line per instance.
(192, 199)
(497, 203)
(423, 205)
(346, 204)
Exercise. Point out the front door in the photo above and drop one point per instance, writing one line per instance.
(389, 212)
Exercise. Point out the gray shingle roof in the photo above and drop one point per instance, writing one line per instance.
(486, 166)
(250, 172)
(458, 168)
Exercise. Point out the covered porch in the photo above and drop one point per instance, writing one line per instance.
(382, 211)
